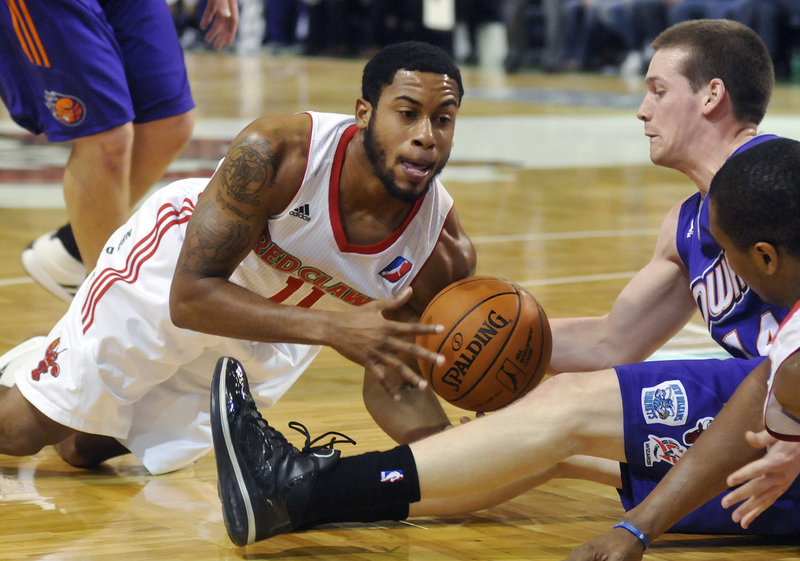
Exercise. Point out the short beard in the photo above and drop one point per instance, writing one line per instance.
(377, 156)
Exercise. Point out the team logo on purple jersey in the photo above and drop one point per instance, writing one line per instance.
(67, 109)
(397, 269)
(665, 404)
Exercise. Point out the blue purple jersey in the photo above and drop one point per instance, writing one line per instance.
(668, 404)
(74, 68)
(736, 317)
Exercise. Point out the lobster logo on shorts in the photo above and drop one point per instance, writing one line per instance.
(49, 364)
(691, 435)
(67, 109)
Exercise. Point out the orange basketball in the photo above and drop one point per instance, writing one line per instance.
(496, 343)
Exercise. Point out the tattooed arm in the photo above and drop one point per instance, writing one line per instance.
(259, 176)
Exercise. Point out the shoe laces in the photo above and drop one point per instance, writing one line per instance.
(312, 446)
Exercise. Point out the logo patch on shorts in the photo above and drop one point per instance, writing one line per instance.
(665, 449)
(665, 404)
(50, 362)
(691, 435)
(67, 109)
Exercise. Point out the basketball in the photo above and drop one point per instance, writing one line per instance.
(496, 343)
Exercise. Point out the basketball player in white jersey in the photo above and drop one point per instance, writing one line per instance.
(313, 231)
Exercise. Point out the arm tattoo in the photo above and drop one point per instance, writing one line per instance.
(247, 168)
(225, 205)
(215, 244)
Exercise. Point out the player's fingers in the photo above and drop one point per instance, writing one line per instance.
(753, 507)
(208, 15)
(759, 440)
(404, 329)
(378, 370)
(406, 373)
(758, 507)
(395, 302)
(212, 36)
(420, 352)
(745, 473)
(220, 34)
(742, 493)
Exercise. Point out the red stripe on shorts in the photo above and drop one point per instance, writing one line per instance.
(168, 216)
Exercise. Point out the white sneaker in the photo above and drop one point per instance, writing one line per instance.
(17, 355)
(50, 264)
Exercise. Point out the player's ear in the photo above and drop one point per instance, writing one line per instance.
(714, 95)
(766, 256)
(363, 112)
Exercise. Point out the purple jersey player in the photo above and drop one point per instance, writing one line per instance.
(108, 76)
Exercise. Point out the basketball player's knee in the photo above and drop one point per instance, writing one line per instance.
(70, 453)
(23, 429)
(88, 450)
(110, 150)
(182, 127)
(555, 389)
(172, 132)
(564, 401)
(18, 439)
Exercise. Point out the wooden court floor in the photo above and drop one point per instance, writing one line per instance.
(551, 179)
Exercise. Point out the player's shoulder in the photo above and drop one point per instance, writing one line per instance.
(686, 207)
(282, 130)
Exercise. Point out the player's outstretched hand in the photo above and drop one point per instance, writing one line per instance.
(615, 545)
(764, 479)
(223, 17)
(384, 346)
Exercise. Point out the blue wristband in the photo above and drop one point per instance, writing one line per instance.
(635, 531)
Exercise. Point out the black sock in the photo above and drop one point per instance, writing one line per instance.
(364, 488)
(68, 239)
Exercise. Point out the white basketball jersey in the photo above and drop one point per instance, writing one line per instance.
(125, 370)
(303, 257)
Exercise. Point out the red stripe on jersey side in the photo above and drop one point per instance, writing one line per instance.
(168, 217)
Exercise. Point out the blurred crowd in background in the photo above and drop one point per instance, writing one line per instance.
(611, 36)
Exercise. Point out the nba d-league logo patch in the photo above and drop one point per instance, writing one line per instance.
(392, 476)
(397, 269)
(67, 109)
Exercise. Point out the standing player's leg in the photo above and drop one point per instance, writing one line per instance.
(97, 188)
(155, 145)
(159, 87)
(136, 124)
(85, 100)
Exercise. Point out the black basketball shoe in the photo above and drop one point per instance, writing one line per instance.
(263, 481)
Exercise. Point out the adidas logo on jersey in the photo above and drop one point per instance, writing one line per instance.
(302, 212)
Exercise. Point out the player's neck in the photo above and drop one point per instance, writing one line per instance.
(367, 212)
(711, 160)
